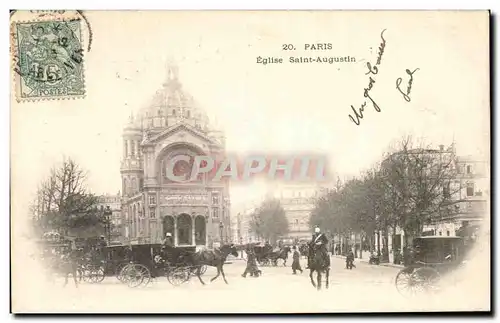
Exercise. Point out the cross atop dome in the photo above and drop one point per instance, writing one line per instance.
(172, 71)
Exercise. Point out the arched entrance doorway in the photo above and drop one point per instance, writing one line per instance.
(168, 226)
(200, 230)
(184, 229)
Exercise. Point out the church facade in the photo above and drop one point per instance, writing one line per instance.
(196, 213)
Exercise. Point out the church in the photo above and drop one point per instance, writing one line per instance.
(194, 213)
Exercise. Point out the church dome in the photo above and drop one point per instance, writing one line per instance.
(172, 104)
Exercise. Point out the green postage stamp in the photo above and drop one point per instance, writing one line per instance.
(49, 60)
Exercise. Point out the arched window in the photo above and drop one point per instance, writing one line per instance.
(184, 229)
(159, 112)
(200, 230)
(174, 112)
(168, 226)
(188, 114)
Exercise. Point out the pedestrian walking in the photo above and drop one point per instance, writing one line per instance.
(296, 261)
(349, 260)
(251, 268)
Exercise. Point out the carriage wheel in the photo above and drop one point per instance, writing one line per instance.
(122, 276)
(265, 262)
(178, 276)
(428, 279)
(99, 275)
(410, 283)
(405, 284)
(135, 275)
(119, 271)
(94, 276)
(87, 275)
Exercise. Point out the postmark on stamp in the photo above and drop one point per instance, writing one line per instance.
(49, 58)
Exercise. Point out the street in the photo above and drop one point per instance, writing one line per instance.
(366, 288)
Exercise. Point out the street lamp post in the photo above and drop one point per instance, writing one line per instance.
(221, 228)
(107, 214)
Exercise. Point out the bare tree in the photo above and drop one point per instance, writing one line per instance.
(63, 202)
(269, 221)
(418, 184)
(411, 187)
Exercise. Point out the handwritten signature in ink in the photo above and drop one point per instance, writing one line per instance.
(372, 69)
(406, 94)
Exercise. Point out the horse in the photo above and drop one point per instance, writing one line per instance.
(281, 254)
(304, 250)
(263, 254)
(64, 264)
(319, 263)
(214, 258)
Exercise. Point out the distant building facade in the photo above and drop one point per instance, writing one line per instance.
(117, 229)
(468, 199)
(241, 220)
(298, 201)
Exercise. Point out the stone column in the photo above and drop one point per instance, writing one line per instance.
(176, 235)
(138, 221)
(136, 144)
(145, 165)
(193, 231)
(145, 224)
(152, 231)
(137, 226)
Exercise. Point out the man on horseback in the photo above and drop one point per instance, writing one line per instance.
(318, 244)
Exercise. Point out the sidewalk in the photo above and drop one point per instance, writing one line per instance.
(366, 259)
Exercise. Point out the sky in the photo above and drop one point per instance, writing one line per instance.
(268, 108)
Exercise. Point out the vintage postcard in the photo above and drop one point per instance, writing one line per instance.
(250, 161)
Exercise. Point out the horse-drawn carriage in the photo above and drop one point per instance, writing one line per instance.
(178, 264)
(434, 256)
(267, 256)
(133, 265)
(137, 265)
